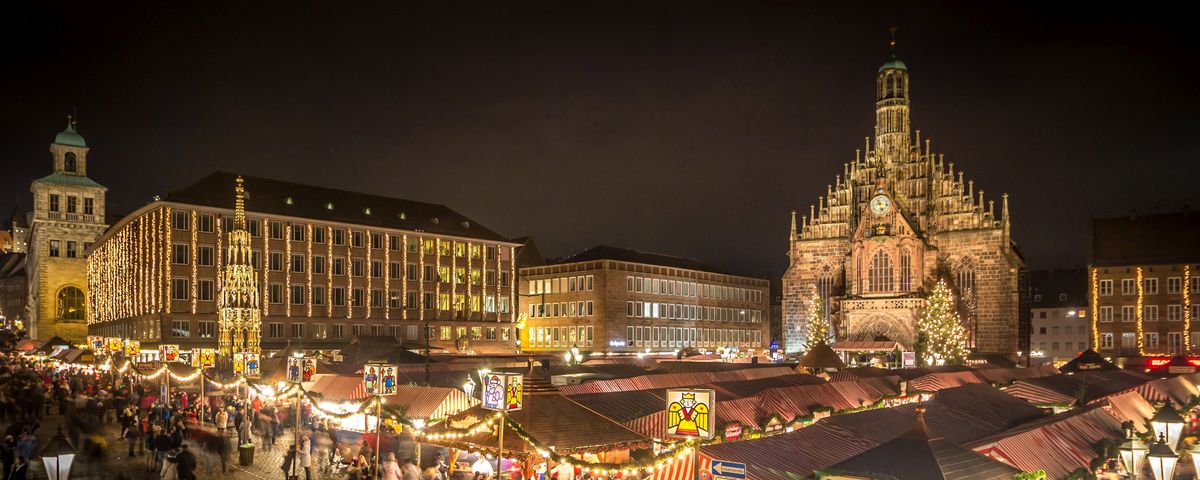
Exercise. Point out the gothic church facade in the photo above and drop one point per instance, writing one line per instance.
(898, 219)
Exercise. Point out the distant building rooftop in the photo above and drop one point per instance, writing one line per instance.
(604, 252)
(1047, 286)
(1146, 239)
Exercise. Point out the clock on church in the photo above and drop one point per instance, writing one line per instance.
(880, 204)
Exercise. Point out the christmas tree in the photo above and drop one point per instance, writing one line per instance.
(818, 325)
(943, 340)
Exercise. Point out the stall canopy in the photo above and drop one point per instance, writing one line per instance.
(552, 420)
(1061, 445)
(416, 401)
(28, 345)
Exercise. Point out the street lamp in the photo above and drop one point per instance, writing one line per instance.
(469, 387)
(1162, 459)
(1133, 453)
(1168, 423)
(58, 456)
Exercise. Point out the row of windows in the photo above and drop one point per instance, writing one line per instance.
(1067, 346)
(320, 331)
(72, 248)
(181, 220)
(1149, 313)
(1081, 329)
(690, 337)
(1150, 340)
(1149, 286)
(54, 204)
(358, 297)
(338, 266)
(579, 283)
(691, 289)
(691, 312)
(561, 309)
(569, 336)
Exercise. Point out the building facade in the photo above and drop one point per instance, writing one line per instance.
(895, 221)
(1058, 315)
(330, 265)
(609, 299)
(67, 216)
(1143, 285)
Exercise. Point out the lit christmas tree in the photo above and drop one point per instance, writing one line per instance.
(943, 340)
(819, 330)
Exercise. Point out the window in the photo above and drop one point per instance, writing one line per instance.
(394, 299)
(1150, 313)
(318, 296)
(206, 329)
(376, 240)
(339, 296)
(204, 290)
(1041, 315)
(339, 236)
(376, 269)
(179, 289)
(69, 162)
(72, 249)
(1195, 284)
(55, 246)
(905, 271)
(1106, 314)
(318, 265)
(72, 204)
(339, 266)
(297, 294)
(376, 298)
(298, 263)
(356, 239)
(181, 328)
(429, 302)
(358, 298)
(319, 330)
(1174, 285)
(413, 300)
(490, 251)
(394, 243)
(394, 270)
(1174, 313)
(205, 255)
(276, 261)
(881, 273)
(356, 267)
(339, 331)
(179, 254)
(275, 293)
(179, 220)
(1062, 297)
(1151, 340)
(89, 208)
(1128, 313)
(53, 202)
(318, 235)
(254, 227)
(1128, 340)
(297, 233)
(275, 230)
(275, 330)
(590, 279)
(504, 279)
(1150, 285)
(1128, 286)
(297, 330)
(71, 303)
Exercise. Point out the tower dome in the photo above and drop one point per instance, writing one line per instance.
(893, 64)
(70, 137)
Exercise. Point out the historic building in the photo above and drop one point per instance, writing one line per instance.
(619, 300)
(328, 265)
(897, 219)
(1058, 315)
(67, 216)
(1143, 284)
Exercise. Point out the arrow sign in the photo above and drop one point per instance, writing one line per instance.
(727, 470)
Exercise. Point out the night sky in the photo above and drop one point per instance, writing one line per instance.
(678, 128)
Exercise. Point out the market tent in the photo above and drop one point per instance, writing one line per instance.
(430, 403)
(27, 345)
(1130, 407)
(1083, 387)
(820, 358)
(918, 454)
(1088, 361)
(552, 420)
(1061, 444)
(933, 382)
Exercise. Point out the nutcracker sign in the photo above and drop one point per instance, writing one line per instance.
(301, 369)
(168, 353)
(96, 343)
(115, 345)
(208, 357)
(379, 379)
(253, 368)
(239, 364)
(503, 391)
(690, 413)
(132, 348)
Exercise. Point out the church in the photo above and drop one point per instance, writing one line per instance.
(898, 219)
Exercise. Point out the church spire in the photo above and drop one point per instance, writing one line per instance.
(239, 205)
(892, 136)
(792, 234)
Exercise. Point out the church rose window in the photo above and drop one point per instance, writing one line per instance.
(70, 304)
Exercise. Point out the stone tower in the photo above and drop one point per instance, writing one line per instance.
(67, 216)
(240, 322)
(898, 219)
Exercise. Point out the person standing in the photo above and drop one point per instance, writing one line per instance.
(220, 420)
(390, 469)
(20, 470)
(186, 463)
(305, 456)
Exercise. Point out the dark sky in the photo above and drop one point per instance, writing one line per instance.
(683, 128)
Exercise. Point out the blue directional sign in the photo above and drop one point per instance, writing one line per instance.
(727, 470)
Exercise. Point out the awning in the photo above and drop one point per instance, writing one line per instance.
(882, 346)
(27, 345)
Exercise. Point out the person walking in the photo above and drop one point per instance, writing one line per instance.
(220, 420)
(186, 463)
(390, 469)
(305, 456)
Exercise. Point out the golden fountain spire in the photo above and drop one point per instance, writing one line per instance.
(239, 205)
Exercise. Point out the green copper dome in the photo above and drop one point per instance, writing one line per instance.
(893, 64)
(70, 137)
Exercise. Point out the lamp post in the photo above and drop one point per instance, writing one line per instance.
(1133, 453)
(1162, 459)
(58, 456)
(1167, 423)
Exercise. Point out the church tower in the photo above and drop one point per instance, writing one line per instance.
(67, 216)
(892, 137)
(240, 321)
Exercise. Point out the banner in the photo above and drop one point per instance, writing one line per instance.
(204, 357)
(168, 353)
(690, 413)
(246, 363)
(379, 379)
(301, 369)
(503, 391)
(96, 343)
(115, 345)
(132, 348)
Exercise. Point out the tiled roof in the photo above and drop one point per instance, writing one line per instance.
(1047, 285)
(672, 380)
(1146, 239)
(73, 180)
(268, 196)
(604, 252)
(553, 420)
(1059, 444)
(1083, 387)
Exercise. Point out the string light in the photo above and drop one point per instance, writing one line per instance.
(1138, 314)
(387, 276)
(1095, 311)
(287, 277)
(1187, 308)
(192, 225)
(308, 268)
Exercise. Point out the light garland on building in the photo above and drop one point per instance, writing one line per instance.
(166, 265)
(1095, 311)
(387, 276)
(287, 269)
(195, 231)
(1187, 308)
(308, 268)
(404, 279)
(1138, 315)
(329, 272)
(349, 265)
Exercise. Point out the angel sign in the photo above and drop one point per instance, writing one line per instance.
(689, 413)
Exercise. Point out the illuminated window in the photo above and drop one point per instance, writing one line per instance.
(70, 303)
